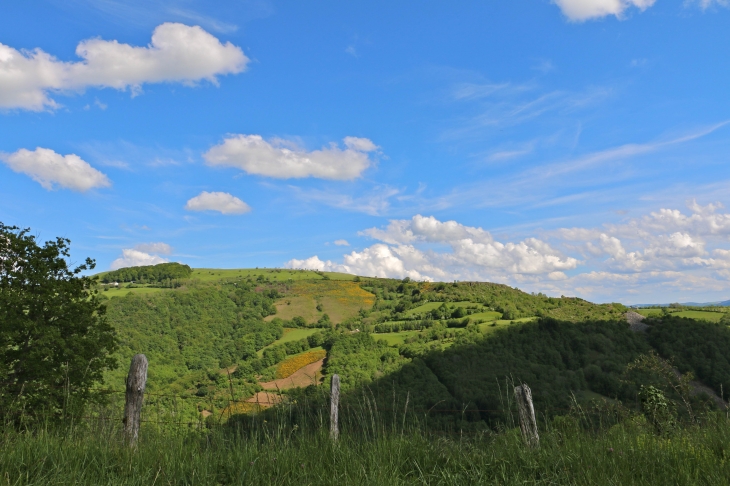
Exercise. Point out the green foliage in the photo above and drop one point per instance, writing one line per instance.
(695, 346)
(398, 300)
(149, 273)
(658, 410)
(458, 375)
(55, 341)
(359, 359)
(194, 329)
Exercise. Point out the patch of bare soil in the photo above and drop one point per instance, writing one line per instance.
(308, 375)
(265, 399)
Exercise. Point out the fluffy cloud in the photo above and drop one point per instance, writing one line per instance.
(580, 10)
(284, 160)
(136, 258)
(473, 252)
(666, 255)
(177, 53)
(50, 169)
(217, 201)
(377, 261)
(342, 243)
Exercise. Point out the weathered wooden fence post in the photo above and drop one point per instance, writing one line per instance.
(334, 407)
(136, 381)
(526, 412)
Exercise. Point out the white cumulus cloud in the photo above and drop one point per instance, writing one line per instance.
(342, 243)
(217, 201)
(284, 160)
(580, 10)
(51, 169)
(135, 258)
(473, 252)
(176, 53)
(666, 255)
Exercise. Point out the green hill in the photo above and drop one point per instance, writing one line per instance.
(219, 334)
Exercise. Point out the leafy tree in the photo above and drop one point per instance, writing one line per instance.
(55, 342)
(149, 273)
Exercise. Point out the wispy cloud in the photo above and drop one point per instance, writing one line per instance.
(621, 152)
(503, 105)
(375, 202)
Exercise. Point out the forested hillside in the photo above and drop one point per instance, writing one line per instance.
(446, 347)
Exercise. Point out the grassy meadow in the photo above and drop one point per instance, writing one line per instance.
(270, 453)
(704, 315)
(289, 336)
(312, 299)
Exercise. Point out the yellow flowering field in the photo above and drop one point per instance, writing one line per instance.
(287, 367)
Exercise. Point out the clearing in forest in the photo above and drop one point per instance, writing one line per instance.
(311, 299)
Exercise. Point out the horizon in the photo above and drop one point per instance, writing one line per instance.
(564, 147)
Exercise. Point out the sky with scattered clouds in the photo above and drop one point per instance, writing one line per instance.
(571, 147)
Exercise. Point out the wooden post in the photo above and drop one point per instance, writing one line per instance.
(528, 425)
(334, 407)
(136, 381)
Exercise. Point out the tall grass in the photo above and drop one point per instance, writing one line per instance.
(272, 451)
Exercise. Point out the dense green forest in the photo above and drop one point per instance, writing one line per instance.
(149, 274)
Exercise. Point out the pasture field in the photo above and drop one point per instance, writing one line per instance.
(429, 306)
(290, 334)
(692, 314)
(486, 316)
(339, 299)
(704, 315)
(395, 338)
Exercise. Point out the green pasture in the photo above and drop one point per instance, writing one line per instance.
(486, 316)
(429, 306)
(691, 314)
(487, 327)
(395, 338)
(704, 315)
(290, 335)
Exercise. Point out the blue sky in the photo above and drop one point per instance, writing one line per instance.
(575, 147)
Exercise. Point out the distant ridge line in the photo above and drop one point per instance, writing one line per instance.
(724, 303)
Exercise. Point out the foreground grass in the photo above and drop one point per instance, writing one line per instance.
(625, 454)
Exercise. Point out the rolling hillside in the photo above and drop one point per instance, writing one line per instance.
(223, 335)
